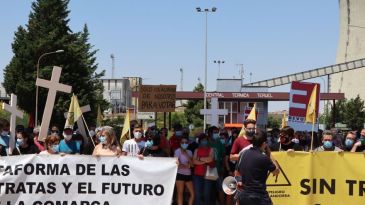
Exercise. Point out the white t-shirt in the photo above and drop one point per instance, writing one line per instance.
(44, 152)
(132, 147)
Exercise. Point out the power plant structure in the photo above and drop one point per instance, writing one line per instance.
(351, 46)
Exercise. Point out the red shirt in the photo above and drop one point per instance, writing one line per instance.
(199, 170)
(239, 144)
(163, 142)
(174, 143)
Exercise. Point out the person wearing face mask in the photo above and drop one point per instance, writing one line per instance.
(52, 145)
(68, 145)
(24, 144)
(108, 145)
(152, 147)
(203, 157)
(327, 141)
(133, 147)
(4, 137)
(54, 130)
(243, 141)
(175, 139)
(184, 177)
(215, 142)
(359, 146)
(349, 141)
(287, 140)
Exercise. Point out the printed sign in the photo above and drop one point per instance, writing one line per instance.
(157, 98)
(85, 180)
(324, 178)
(299, 98)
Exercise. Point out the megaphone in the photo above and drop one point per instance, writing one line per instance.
(229, 185)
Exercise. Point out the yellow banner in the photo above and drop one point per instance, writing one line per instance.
(318, 178)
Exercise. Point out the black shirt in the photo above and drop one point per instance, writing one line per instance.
(31, 149)
(254, 168)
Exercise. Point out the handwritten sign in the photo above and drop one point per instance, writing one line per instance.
(157, 98)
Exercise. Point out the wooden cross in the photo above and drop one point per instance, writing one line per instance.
(12, 108)
(53, 85)
(214, 112)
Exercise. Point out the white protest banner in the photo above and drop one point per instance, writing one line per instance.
(85, 180)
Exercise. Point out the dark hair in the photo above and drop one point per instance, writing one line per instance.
(202, 136)
(327, 132)
(259, 138)
(287, 130)
(185, 138)
(249, 121)
(177, 127)
(235, 130)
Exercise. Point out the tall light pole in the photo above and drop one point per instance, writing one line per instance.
(206, 11)
(219, 66)
(181, 79)
(36, 87)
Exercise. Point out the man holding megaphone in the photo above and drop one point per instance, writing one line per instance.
(253, 172)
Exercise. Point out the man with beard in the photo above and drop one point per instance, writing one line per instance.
(243, 141)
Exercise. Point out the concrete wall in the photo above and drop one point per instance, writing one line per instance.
(351, 46)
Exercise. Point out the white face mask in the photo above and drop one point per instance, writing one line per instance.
(137, 135)
(4, 133)
(67, 137)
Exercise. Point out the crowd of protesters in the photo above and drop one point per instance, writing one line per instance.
(219, 148)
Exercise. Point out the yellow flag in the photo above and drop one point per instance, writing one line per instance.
(126, 134)
(311, 107)
(74, 112)
(252, 115)
(99, 118)
(284, 123)
(242, 132)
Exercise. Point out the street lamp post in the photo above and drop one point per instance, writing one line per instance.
(219, 66)
(206, 11)
(36, 88)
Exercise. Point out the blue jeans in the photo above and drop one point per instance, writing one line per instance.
(202, 187)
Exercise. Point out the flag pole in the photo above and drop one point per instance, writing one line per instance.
(314, 121)
(87, 128)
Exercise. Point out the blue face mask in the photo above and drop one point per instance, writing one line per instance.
(327, 144)
(223, 141)
(149, 143)
(216, 136)
(102, 139)
(349, 143)
(19, 142)
(55, 148)
(184, 146)
(204, 143)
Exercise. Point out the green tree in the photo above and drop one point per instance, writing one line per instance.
(273, 122)
(350, 112)
(47, 30)
(192, 111)
(354, 115)
(179, 118)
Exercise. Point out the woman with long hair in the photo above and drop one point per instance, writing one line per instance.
(108, 145)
